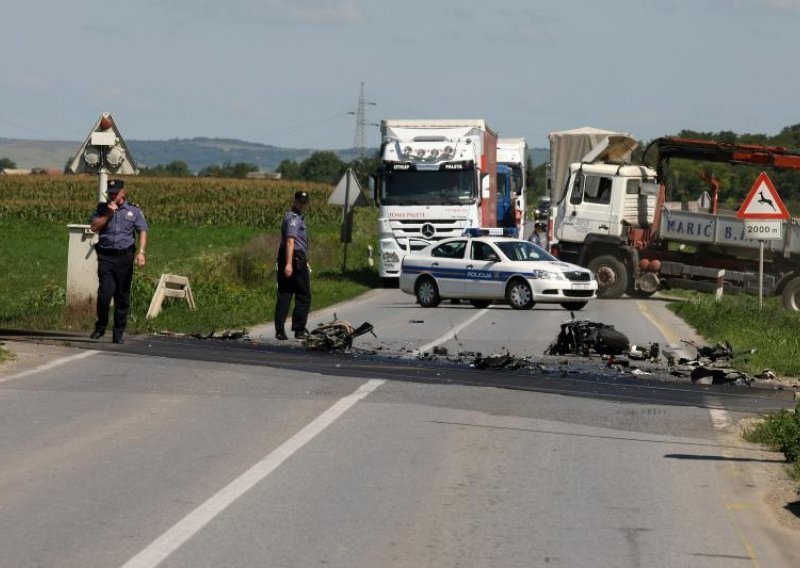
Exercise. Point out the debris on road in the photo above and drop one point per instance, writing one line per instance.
(337, 335)
(712, 365)
(226, 335)
(500, 361)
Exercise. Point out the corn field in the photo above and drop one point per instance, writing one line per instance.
(195, 201)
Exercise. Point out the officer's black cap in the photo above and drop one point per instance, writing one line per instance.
(114, 185)
(301, 195)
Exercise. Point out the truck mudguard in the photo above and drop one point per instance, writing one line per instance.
(596, 245)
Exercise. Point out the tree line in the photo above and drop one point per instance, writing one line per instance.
(321, 166)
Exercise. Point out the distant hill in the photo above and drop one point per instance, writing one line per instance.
(196, 152)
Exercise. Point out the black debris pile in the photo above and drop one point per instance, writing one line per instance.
(712, 365)
(226, 335)
(584, 337)
(499, 361)
(337, 335)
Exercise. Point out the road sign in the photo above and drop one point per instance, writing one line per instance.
(348, 192)
(763, 230)
(763, 201)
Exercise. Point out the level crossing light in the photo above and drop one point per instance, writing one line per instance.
(103, 151)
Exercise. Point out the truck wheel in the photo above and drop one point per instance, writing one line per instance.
(427, 292)
(480, 304)
(791, 295)
(573, 306)
(519, 295)
(611, 274)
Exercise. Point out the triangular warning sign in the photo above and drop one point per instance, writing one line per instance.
(354, 195)
(763, 201)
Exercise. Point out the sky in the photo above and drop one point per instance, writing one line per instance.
(287, 72)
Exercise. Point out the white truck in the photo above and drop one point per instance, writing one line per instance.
(513, 152)
(437, 177)
(613, 218)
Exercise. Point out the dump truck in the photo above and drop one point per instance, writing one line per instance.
(613, 218)
(437, 177)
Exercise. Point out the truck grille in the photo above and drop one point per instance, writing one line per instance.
(442, 228)
(577, 276)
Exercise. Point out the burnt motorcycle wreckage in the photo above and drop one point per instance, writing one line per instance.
(584, 337)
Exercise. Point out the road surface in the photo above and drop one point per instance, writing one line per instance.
(186, 453)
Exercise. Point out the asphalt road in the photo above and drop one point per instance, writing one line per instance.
(178, 452)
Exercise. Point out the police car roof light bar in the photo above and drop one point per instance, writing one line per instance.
(491, 232)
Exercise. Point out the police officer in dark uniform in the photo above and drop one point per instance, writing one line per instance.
(117, 223)
(293, 270)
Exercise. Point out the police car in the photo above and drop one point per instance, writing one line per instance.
(485, 266)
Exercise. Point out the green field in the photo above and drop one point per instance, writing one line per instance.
(223, 237)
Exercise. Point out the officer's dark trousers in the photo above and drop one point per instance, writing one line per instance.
(299, 286)
(115, 274)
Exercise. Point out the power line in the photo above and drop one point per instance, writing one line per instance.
(359, 138)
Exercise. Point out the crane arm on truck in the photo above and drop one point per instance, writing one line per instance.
(711, 151)
(669, 147)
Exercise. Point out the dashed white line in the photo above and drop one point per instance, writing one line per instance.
(48, 366)
(450, 334)
(157, 551)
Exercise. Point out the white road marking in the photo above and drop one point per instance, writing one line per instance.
(450, 334)
(48, 366)
(667, 332)
(157, 551)
(720, 418)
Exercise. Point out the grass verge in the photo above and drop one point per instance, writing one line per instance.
(780, 433)
(772, 331)
(231, 270)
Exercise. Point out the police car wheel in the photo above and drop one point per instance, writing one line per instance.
(480, 304)
(573, 306)
(519, 295)
(427, 292)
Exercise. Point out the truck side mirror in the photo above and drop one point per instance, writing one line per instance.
(486, 186)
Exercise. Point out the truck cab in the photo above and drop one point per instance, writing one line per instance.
(437, 177)
(505, 198)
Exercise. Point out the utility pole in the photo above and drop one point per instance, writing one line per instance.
(359, 142)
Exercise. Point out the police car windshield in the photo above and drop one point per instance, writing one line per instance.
(521, 251)
(415, 187)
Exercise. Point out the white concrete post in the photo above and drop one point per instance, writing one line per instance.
(81, 268)
(720, 285)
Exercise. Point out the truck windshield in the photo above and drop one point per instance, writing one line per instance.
(415, 187)
(521, 251)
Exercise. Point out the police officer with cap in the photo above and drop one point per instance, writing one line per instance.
(116, 223)
(293, 270)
